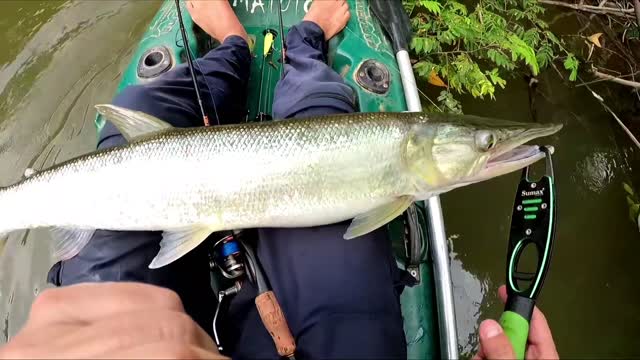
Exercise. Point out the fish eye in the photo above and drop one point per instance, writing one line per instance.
(485, 140)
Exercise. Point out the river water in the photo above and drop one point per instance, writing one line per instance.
(61, 58)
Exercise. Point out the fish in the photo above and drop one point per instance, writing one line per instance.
(192, 182)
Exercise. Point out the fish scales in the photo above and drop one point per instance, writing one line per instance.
(286, 173)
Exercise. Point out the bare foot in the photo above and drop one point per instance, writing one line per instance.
(217, 18)
(331, 15)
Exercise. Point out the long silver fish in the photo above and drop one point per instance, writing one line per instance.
(291, 173)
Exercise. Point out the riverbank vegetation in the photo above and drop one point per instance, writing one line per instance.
(476, 47)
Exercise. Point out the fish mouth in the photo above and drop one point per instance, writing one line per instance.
(514, 155)
(514, 159)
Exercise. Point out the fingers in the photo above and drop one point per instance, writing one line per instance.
(494, 343)
(86, 303)
(540, 337)
(502, 293)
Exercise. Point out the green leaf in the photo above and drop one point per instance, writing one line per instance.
(457, 7)
(496, 79)
(417, 45)
(552, 37)
(449, 103)
(500, 59)
(544, 55)
(424, 68)
(630, 201)
(531, 37)
(571, 64)
(520, 50)
(431, 6)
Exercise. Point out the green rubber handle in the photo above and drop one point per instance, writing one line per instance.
(517, 329)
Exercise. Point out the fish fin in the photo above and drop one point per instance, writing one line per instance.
(132, 124)
(67, 243)
(176, 243)
(369, 221)
(28, 172)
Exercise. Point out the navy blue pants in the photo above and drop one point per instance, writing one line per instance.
(341, 298)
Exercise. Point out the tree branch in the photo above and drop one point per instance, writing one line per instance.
(622, 125)
(591, 8)
(616, 80)
(636, 5)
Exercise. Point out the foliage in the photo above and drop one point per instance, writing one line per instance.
(474, 51)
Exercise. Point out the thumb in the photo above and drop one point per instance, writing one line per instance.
(494, 342)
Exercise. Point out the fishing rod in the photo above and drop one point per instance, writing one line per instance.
(282, 52)
(533, 223)
(185, 40)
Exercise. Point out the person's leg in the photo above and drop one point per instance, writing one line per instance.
(125, 256)
(310, 87)
(340, 298)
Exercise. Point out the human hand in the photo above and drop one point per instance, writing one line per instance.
(494, 343)
(109, 320)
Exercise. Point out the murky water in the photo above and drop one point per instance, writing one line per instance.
(60, 58)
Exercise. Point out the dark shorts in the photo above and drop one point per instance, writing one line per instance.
(340, 298)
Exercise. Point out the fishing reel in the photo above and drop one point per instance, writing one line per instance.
(226, 255)
(238, 263)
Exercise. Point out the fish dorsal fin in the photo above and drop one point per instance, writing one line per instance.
(369, 221)
(132, 124)
(176, 243)
(67, 243)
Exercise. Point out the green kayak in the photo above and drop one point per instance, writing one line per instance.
(365, 58)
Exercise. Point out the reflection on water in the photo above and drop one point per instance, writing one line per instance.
(469, 294)
(61, 58)
(597, 170)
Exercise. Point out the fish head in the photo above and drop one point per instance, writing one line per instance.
(446, 152)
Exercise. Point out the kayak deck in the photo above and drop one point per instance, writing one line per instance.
(363, 56)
